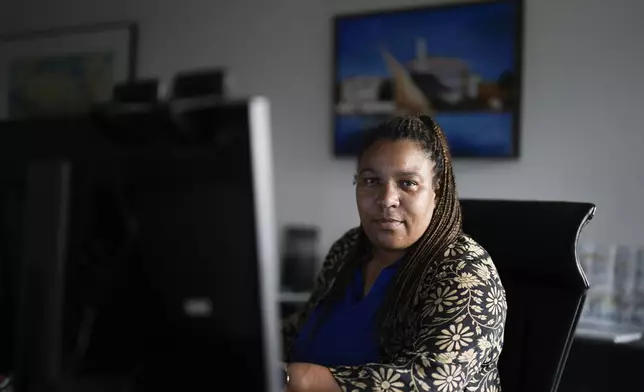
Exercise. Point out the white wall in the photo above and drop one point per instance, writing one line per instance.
(582, 133)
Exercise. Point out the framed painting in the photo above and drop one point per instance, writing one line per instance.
(460, 63)
(65, 70)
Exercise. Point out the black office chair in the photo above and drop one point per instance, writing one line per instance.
(533, 244)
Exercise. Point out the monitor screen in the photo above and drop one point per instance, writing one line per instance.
(12, 200)
(170, 261)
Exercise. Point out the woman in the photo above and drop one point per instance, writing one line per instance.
(406, 301)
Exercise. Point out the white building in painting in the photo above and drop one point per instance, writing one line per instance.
(360, 95)
(361, 88)
(453, 73)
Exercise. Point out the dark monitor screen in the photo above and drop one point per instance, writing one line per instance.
(12, 200)
(170, 271)
(197, 248)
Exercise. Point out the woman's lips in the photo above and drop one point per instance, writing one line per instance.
(387, 223)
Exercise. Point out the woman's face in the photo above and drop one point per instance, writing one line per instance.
(394, 193)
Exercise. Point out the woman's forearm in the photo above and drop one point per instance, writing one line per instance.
(307, 377)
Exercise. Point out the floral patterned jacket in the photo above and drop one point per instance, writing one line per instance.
(451, 343)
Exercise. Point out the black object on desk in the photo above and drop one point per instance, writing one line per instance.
(300, 258)
(533, 245)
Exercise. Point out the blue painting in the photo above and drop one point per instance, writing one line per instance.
(458, 63)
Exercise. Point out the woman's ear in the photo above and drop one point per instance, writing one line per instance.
(437, 191)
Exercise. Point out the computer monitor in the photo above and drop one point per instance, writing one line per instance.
(186, 295)
(12, 193)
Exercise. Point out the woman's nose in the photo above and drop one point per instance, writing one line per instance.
(389, 196)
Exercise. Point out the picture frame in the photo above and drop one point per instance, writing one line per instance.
(64, 70)
(461, 63)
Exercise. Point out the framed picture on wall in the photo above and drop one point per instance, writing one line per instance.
(64, 70)
(460, 63)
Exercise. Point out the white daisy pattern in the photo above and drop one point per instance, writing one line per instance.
(495, 301)
(447, 378)
(454, 337)
(440, 299)
(387, 381)
(441, 348)
(454, 249)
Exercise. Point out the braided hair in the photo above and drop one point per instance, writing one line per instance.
(444, 227)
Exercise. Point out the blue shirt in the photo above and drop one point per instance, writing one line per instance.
(349, 335)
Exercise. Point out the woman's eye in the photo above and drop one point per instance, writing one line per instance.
(369, 181)
(408, 184)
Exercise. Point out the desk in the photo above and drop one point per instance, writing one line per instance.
(603, 366)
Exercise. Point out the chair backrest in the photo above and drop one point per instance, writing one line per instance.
(533, 244)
